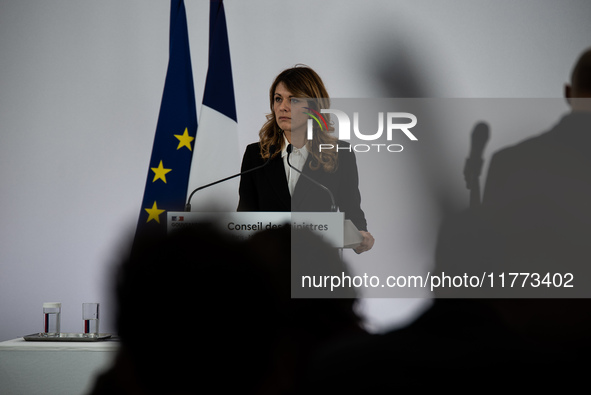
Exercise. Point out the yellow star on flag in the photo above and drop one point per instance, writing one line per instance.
(184, 140)
(160, 172)
(154, 213)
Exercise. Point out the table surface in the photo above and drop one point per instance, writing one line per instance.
(48, 367)
(20, 344)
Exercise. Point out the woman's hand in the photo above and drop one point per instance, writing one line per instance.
(366, 243)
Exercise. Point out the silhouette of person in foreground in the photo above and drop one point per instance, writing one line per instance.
(318, 316)
(199, 313)
(195, 315)
(549, 171)
(536, 216)
(537, 201)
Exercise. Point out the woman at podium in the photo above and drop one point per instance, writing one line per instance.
(298, 173)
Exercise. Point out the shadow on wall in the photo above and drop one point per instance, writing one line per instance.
(401, 73)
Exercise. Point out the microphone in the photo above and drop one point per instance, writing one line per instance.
(479, 139)
(272, 150)
(333, 206)
(473, 165)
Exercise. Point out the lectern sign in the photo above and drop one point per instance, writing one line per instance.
(242, 225)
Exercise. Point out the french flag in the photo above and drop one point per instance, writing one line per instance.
(216, 153)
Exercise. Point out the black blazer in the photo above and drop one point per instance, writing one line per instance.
(266, 189)
(553, 167)
(538, 201)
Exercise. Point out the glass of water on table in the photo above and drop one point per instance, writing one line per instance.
(90, 316)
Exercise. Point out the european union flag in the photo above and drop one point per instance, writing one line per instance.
(172, 152)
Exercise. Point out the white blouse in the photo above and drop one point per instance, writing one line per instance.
(297, 159)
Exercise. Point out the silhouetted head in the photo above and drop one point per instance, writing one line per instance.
(580, 84)
(193, 304)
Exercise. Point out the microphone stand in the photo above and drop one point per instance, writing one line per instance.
(473, 164)
(271, 152)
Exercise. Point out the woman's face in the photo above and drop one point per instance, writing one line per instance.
(289, 112)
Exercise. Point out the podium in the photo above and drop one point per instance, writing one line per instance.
(330, 226)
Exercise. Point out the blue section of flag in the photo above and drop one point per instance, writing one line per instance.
(219, 86)
(172, 152)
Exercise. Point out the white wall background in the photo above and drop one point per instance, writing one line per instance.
(80, 89)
